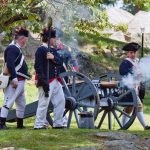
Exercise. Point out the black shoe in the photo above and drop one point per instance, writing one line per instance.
(61, 127)
(20, 123)
(3, 127)
(147, 128)
(3, 124)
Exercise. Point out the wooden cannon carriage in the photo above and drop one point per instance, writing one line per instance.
(103, 96)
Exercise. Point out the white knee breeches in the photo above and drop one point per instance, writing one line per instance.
(12, 95)
(56, 96)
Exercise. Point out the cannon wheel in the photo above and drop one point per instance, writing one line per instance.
(80, 94)
(112, 107)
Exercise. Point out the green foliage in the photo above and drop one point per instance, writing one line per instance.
(121, 27)
(21, 13)
(105, 61)
(90, 2)
(100, 44)
(110, 46)
(135, 5)
(1, 50)
(146, 50)
(90, 38)
(94, 26)
(109, 2)
(83, 16)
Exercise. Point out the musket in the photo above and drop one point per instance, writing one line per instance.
(49, 27)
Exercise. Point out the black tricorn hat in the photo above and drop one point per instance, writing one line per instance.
(131, 47)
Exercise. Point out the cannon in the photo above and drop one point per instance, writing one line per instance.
(80, 94)
(114, 99)
(104, 97)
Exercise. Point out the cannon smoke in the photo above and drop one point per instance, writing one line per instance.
(65, 19)
(140, 74)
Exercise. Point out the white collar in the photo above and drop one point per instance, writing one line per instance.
(134, 62)
(45, 45)
(16, 44)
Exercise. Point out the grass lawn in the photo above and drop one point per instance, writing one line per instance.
(54, 139)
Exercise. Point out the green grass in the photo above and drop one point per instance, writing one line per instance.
(46, 139)
(90, 38)
(147, 103)
(31, 93)
(53, 139)
(105, 61)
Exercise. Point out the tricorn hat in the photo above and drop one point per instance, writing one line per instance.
(131, 47)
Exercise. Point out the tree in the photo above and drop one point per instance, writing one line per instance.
(15, 12)
(78, 16)
(109, 2)
(135, 5)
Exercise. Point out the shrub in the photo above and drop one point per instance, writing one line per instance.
(121, 27)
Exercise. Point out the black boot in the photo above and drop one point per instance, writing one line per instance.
(3, 123)
(20, 123)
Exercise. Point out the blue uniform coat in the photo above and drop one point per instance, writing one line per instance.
(12, 56)
(41, 63)
(125, 67)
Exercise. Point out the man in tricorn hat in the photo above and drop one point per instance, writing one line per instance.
(18, 72)
(126, 67)
(50, 89)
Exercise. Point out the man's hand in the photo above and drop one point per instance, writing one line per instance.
(50, 55)
(14, 83)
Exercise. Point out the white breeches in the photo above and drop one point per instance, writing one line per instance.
(16, 95)
(56, 96)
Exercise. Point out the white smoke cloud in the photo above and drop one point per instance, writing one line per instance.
(65, 16)
(140, 74)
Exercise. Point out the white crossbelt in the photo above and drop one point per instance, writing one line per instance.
(23, 75)
(21, 62)
(133, 62)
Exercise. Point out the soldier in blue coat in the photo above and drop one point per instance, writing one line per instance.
(18, 72)
(126, 67)
(70, 62)
(50, 89)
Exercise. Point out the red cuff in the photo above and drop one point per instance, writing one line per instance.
(36, 77)
(75, 68)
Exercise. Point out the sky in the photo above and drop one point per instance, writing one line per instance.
(119, 3)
